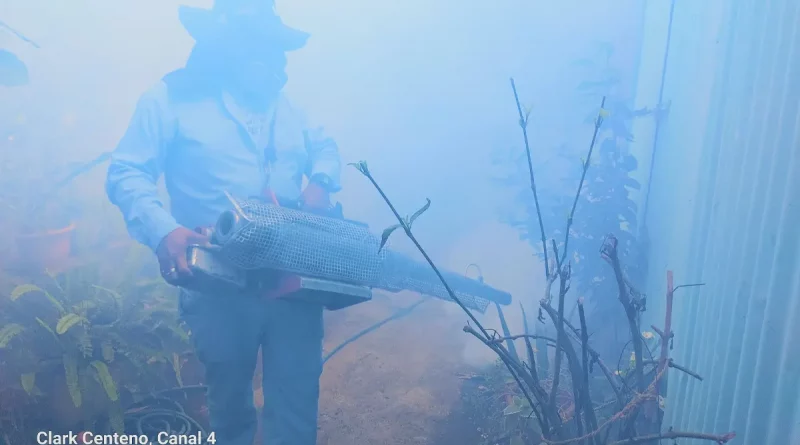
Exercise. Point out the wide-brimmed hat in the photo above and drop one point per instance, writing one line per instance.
(204, 24)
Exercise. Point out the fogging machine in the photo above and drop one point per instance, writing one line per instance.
(284, 252)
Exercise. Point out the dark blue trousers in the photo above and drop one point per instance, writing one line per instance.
(227, 332)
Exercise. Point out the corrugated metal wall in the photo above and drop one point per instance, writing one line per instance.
(723, 210)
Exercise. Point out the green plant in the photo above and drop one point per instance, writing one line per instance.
(119, 335)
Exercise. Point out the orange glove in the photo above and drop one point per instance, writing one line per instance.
(315, 197)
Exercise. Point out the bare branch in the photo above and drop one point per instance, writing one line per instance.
(720, 439)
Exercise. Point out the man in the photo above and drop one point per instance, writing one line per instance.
(221, 124)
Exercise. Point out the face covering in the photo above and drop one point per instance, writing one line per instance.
(258, 76)
(255, 68)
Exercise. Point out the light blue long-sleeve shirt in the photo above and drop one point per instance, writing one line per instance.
(203, 151)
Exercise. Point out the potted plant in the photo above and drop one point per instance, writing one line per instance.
(44, 238)
(40, 222)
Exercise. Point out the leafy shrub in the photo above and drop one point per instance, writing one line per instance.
(118, 339)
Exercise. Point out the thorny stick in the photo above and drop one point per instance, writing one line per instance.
(597, 123)
(523, 123)
(531, 336)
(625, 412)
(582, 401)
(560, 334)
(19, 34)
(419, 247)
(588, 407)
(365, 171)
(610, 254)
(667, 333)
(580, 391)
(720, 439)
(666, 336)
(595, 356)
(674, 365)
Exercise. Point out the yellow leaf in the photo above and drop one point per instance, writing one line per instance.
(28, 380)
(8, 332)
(180, 332)
(71, 375)
(106, 380)
(117, 419)
(23, 289)
(176, 367)
(604, 113)
(66, 322)
(258, 398)
(647, 335)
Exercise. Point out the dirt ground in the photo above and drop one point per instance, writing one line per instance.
(398, 385)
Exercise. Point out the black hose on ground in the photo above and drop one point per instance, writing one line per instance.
(159, 414)
(395, 316)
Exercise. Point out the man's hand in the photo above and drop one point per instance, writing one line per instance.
(315, 197)
(171, 254)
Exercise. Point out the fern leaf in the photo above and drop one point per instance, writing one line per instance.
(68, 321)
(71, 375)
(116, 418)
(85, 344)
(106, 380)
(176, 366)
(28, 381)
(23, 289)
(8, 332)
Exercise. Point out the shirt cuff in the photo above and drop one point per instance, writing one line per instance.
(160, 226)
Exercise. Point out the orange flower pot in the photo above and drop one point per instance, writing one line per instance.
(48, 249)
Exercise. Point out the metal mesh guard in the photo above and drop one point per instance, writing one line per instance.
(299, 242)
(265, 236)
